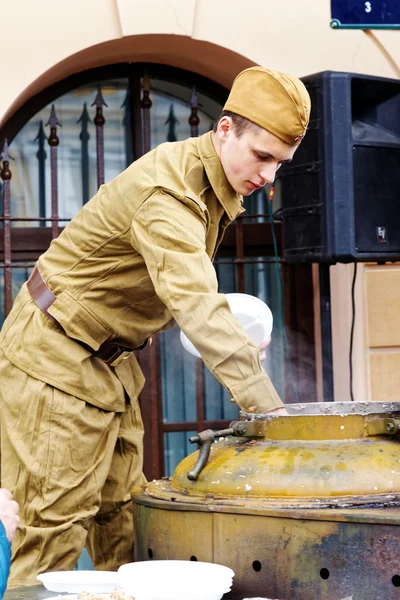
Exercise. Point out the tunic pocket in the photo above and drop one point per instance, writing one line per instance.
(77, 322)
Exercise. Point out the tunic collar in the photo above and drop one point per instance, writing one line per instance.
(230, 200)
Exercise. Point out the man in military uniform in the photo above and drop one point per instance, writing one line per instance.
(136, 258)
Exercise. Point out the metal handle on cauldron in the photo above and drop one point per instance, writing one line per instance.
(205, 439)
(383, 426)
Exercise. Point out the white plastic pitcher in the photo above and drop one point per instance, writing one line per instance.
(253, 315)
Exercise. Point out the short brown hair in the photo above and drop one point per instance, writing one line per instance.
(240, 123)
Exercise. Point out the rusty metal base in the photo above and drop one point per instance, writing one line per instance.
(284, 554)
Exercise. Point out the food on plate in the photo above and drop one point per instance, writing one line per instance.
(114, 595)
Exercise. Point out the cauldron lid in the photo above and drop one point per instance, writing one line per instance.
(340, 454)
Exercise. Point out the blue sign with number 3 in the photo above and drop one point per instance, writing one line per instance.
(358, 14)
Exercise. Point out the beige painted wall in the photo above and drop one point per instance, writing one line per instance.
(44, 41)
(341, 284)
(383, 324)
(376, 352)
(52, 36)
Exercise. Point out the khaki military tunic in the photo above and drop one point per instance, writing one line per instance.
(136, 259)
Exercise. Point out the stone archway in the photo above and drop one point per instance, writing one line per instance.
(206, 59)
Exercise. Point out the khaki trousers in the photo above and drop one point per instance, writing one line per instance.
(71, 467)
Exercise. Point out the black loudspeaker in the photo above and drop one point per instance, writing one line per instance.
(341, 193)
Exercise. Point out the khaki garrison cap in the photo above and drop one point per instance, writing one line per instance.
(276, 101)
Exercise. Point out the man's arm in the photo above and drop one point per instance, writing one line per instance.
(171, 237)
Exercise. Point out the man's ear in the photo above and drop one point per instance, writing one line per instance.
(225, 125)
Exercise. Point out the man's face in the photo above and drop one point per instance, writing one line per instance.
(252, 160)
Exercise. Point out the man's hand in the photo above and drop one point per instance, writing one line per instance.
(278, 411)
(262, 347)
(9, 513)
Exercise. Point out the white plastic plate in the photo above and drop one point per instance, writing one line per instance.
(75, 597)
(73, 582)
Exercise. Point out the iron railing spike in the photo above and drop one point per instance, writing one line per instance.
(172, 118)
(53, 120)
(194, 99)
(41, 133)
(99, 99)
(5, 155)
(146, 82)
(126, 99)
(85, 117)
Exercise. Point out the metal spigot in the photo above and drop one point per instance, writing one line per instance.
(206, 438)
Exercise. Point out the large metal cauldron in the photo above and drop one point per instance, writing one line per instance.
(304, 507)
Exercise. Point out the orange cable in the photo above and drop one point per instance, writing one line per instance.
(383, 50)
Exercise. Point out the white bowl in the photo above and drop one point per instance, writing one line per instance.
(253, 315)
(74, 582)
(77, 596)
(202, 597)
(187, 595)
(175, 579)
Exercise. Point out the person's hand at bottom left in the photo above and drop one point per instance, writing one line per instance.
(9, 513)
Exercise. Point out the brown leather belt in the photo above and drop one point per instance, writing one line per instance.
(110, 353)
